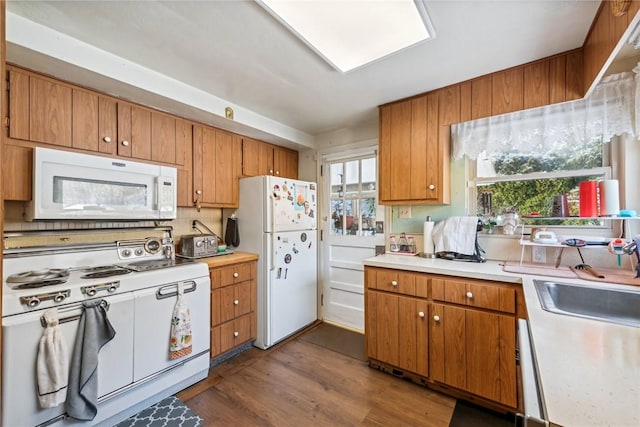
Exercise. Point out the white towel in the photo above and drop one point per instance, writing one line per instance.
(52, 364)
(456, 234)
(180, 339)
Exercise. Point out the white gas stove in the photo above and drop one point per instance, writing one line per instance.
(137, 278)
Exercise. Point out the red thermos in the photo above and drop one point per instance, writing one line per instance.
(588, 198)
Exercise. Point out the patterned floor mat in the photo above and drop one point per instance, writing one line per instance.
(170, 412)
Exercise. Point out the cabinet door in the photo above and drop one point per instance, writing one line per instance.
(447, 362)
(490, 356)
(17, 167)
(412, 335)
(124, 129)
(163, 138)
(387, 344)
(85, 121)
(107, 125)
(184, 138)
(203, 158)
(18, 105)
(227, 307)
(242, 299)
(227, 168)
(50, 112)
(140, 133)
(250, 157)
(285, 163)
(236, 332)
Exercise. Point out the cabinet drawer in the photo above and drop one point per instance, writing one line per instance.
(397, 281)
(475, 293)
(235, 274)
(236, 332)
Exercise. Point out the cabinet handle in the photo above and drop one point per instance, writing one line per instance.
(198, 192)
(236, 302)
(271, 171)
(436, 318)
(421, 314)
(235, 334)
(106, 139)
(432, 187)
(125, 143)
(235, 275)
(394, 283)
(469, 295)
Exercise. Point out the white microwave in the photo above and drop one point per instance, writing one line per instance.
(74, 186)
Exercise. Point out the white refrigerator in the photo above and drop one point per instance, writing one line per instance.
(277, 220)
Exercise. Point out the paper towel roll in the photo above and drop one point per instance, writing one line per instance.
(428, 246)
(609, 197)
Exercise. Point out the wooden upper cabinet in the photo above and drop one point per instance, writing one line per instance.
(163, 138)
(107, 125)
(413, 159)
(217, 167)
(18, 105)
(285, 163)
(17, 170)
(85, 120)
(50, 112)
(261, 158)
(507, 91)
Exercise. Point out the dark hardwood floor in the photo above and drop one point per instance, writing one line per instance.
(298, 383)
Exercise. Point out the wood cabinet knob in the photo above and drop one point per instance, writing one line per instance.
(235, 334)
(106, 139)
(421, 314)
(432, 187)
(436, 318)
(235, 275)
(277, 172)
(125, 143)
(198, 192)
(469, 295)
(394, 283)
(271, 171)
(236, 302)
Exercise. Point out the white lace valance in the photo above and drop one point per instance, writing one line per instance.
(609, 111)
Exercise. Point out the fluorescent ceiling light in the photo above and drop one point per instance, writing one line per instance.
(349, 34)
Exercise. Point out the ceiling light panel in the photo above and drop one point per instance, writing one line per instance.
(349, 34)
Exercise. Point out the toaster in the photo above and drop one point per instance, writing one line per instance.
(198, 245)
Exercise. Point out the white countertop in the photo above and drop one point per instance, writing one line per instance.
(589, 370)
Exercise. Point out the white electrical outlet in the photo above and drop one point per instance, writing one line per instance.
(404, 212)
(539, 254)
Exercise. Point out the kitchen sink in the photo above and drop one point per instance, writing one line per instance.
(592, 302)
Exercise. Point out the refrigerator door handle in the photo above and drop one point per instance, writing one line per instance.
(272, 253)
(271, 209)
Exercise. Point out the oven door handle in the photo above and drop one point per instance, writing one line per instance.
(531, 393)
(171, 290)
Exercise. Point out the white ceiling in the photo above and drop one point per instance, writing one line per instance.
(234, 53)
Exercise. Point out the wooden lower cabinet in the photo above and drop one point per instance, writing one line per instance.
(233, 306)
(474, 351)
(451, 333)
(396, 325)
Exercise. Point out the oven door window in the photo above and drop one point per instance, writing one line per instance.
(74, 193)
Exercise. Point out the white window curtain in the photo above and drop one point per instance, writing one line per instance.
(609, 111)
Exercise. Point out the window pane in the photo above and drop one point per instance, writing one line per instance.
(337, 217)
(368, 215)
(563, 157)
(351, 220)
(369, 174)
(336, 177)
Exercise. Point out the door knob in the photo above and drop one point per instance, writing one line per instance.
(106, 139)
(436, 318)
(235, 275)
(394, 283)
(469, 295)
(432, 187)
(125, 143)
(421, 314)
(236, 302)
(235, 334)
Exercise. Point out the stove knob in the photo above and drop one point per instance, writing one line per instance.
(213, 242)
(112, 289)
(59, 298)
(33, 302)
(91, 291)
(139, 251)
(199, 243)
(126, 253)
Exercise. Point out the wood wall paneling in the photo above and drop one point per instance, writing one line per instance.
(575, 88)
(557, 79)
(465, 101)
(481, 97)
(507, 91)
(536, 84)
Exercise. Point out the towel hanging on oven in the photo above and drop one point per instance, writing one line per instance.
(94, 331)
(180, 338)
(53, 363)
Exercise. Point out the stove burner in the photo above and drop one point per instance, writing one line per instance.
(38, 278)
(105, 271)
